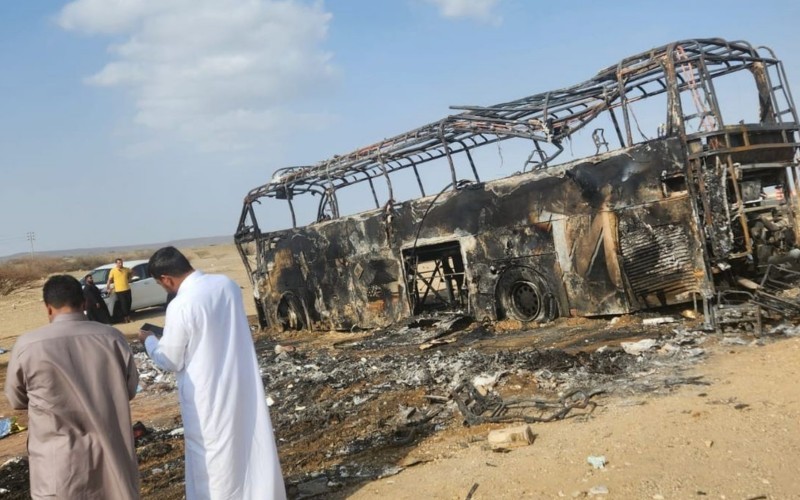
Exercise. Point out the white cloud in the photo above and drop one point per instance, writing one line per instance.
(215, 71)
(107, 16)
(480, 10)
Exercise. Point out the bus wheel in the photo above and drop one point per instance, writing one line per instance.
(291, 312)
(522, 295)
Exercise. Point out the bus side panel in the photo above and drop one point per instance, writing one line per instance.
(592, 234)
(594, 218)
(344, 271)
(661, 253)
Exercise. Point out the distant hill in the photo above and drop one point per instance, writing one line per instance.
(186, 243)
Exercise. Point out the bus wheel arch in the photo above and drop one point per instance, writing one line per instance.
(292, 312)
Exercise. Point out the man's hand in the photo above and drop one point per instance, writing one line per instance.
(143, 334)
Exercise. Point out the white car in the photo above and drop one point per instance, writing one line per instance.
(145, 291)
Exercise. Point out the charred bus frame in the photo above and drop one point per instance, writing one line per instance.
(687, 215)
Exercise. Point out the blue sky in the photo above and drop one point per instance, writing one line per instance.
(127, 122)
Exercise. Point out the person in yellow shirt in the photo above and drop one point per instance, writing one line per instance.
(120, 276)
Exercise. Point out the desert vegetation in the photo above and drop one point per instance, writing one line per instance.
(22, 272)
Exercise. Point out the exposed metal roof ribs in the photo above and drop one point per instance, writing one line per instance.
(546, 118)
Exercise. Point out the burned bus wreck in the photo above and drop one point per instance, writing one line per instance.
(684, 209)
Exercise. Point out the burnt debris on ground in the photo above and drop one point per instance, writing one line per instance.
(353, 410)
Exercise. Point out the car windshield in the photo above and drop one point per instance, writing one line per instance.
(140, 271)
(100, 276)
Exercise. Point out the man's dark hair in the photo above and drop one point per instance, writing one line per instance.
(168, 261)
(63, 290)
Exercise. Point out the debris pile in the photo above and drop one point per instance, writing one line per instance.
(14, 478)
(152, 378)
(350, 412)
(355, 409)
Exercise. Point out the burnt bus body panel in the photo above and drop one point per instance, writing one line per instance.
(664, 221)
(336, 266)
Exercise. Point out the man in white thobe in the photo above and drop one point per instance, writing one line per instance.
(230, 447)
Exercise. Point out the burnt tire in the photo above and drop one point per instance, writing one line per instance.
(523, 295)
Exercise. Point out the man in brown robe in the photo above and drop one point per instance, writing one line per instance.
(76, 378)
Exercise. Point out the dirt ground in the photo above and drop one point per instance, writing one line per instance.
(737, 438)
(719, 420)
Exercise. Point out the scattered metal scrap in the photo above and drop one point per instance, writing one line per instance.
(344, 416)
(478, 409)
(355, 408)
(471, 491)
(778, 290)
(423, 331)
(152, 378)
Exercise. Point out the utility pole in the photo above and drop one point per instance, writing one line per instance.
(31, 236)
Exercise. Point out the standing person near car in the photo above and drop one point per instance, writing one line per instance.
(230, 447)
(96, 309)
(76, 378)
(120, 276)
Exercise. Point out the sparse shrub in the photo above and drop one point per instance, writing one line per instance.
(145, 253)
(84, 262)
(16, 274)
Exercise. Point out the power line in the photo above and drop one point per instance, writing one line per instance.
(11, 238)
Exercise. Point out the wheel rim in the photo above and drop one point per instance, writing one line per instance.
(525, 300)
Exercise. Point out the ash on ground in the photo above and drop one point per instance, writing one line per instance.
(351, 411)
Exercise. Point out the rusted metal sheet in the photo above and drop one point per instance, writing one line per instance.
(658, 221)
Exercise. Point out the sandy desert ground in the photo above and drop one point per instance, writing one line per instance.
(734, 434)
